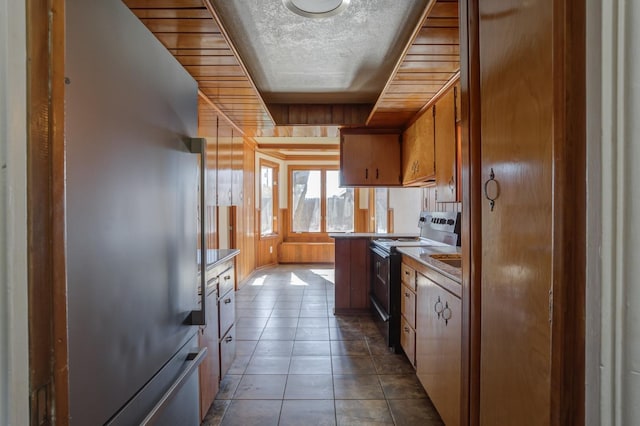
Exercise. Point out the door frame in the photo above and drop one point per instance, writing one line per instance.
(46, 220)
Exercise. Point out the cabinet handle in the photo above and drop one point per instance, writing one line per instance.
(406, 294)
(492, 200)
(406, 329)
(446, 313)
(228, 277)
(228, 339)
(438, 307)
(227, 300)
(377, 174)
(366, 173)
(451, 184)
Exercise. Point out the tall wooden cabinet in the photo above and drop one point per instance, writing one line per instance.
(529, 101)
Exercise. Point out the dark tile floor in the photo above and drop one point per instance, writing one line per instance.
(298, 364)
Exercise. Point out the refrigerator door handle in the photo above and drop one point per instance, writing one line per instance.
(199, 146)
(194, 361)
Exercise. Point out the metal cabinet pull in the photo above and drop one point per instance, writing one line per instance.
(228, 339)
(366, 173)
(227, 300)
(438, 307)
(492, 200)
(452, 187)
(446, 313)
(406, 329)
(228, 277)
(377, 174)
(406, 294)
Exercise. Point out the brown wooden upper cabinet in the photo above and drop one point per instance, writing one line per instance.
(430, 148)
(370, 157)
(418, 153)
(445, 147)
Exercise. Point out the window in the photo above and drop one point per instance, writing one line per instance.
(268, 198)
(381, 207)
(318, 204)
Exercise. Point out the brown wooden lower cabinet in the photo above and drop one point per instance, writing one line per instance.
(439, 345)
(352, 275)
(218, 335)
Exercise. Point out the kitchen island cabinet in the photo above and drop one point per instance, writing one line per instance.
(352, 275)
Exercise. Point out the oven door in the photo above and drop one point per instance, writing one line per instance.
(380, 278)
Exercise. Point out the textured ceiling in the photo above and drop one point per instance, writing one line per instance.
(346, 58)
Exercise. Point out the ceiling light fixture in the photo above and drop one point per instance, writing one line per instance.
(316, 8)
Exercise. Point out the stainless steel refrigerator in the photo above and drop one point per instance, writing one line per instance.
(131, 222)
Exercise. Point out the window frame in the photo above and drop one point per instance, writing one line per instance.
(322, 235)
(276, 197)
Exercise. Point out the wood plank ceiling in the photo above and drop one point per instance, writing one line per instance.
(192, 33)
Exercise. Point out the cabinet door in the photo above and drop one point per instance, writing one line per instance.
(408, 305)
(445, 133)
(408, 341)
(517, 265)
(371, 159)
(418, 153)
(439, 347)
(355, 160)
(385, 164)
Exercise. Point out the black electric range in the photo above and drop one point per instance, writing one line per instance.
(436, 229)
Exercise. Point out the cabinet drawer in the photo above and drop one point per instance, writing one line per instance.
(408, 275)
(226, 282)
(227, 351)
(227, 311)
(408, 341)
(408, 305)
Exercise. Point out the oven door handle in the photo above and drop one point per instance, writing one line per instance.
(379, 252)
(385, 317)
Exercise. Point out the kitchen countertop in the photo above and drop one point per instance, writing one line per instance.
(370, 235)
(215, 256)
(422, 255)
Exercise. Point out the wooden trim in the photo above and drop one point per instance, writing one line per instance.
(471, 218)
(220, 113)
(444, 89)
(209, 5)
(569, 214)
(276, 197)
(48, 352)
(396, 68)
(300, 146)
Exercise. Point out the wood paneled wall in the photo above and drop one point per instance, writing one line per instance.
(244, 217)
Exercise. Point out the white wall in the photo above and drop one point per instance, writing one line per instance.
(406, 204)
(619, 288)
(14, 389)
